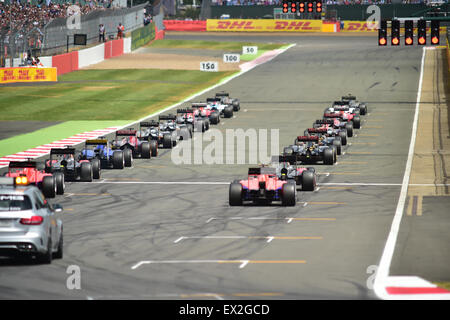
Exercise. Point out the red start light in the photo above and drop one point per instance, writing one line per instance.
(408, 41)
(395, 41)
(435, 40)
(382, 41)
(422, 40)
(310, 4)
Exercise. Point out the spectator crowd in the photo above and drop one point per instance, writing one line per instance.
(24, 17)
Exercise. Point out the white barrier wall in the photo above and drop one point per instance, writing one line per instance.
(90, 56)
(126, 45)
(46, 61)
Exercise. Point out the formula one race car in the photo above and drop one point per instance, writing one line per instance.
(344, 115)
(151, 131)
(31, 172)
(331, 131)
(338, 123)
(101, 150)
(66, 160)
(304, 177)
(229, 101)
(262, 184)
(309, 149)
(187, 116)
(128, 139)
(352, 103)
(328, 137)
(216, 104)
(201, 110)
(168, 124)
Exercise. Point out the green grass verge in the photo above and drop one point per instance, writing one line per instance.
(104, 94)
(443, 285)
(53, 133)
(212, 45)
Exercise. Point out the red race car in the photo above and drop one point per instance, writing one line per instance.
(30, 172)
(263, 184)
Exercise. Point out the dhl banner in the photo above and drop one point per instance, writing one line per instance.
(27, 74)
(263, 25)
(364, 26)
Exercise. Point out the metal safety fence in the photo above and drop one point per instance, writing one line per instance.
(57, 36)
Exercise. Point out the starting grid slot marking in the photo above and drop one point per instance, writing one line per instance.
(267, 238)
(288, 220)
(242, 263)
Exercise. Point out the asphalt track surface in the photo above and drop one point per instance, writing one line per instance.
(323, 252)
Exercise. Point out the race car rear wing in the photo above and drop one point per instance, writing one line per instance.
(349, 97)
(22, 164)
(168, 117)
(222, 94)
(152, 123)
(125, 133)
(199, 105)
(213, 99)
(261, 170)
(341, 108)
(185, 110)
(331, 115)
(62, 151)
(307, 138)
(96, 142)
(325, 121)
(340, 103)
(317, 130)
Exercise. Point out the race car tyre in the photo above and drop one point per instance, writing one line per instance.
(236, 106)
(288, 196)
(118, 160)
(343, 135)
(328, 156)
(59, 180)
(356, 122)
(214, 118)
(184, 134)
(308, 181)
(128, 156)
(206, 124)
(349, 128)
(167, 141)
(338, 144)
(86, 172)
(228, 112)
(96, 168)
(145, 150)
(235, 196)
(363, 109)
(46, 258)
(334, 153)
(49, 186)
(154, 147)
(59, 254)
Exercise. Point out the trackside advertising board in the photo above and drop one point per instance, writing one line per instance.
(27, 74)
(263, 25)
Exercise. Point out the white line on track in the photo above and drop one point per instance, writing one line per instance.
(388, 252)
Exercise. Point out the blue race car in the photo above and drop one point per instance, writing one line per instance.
(101, 150)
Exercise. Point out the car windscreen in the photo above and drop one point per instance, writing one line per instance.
(14, 202)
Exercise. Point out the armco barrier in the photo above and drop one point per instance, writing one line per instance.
(263, 25)
(66, 62)
(181, 25)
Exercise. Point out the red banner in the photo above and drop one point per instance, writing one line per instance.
(181, 25)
